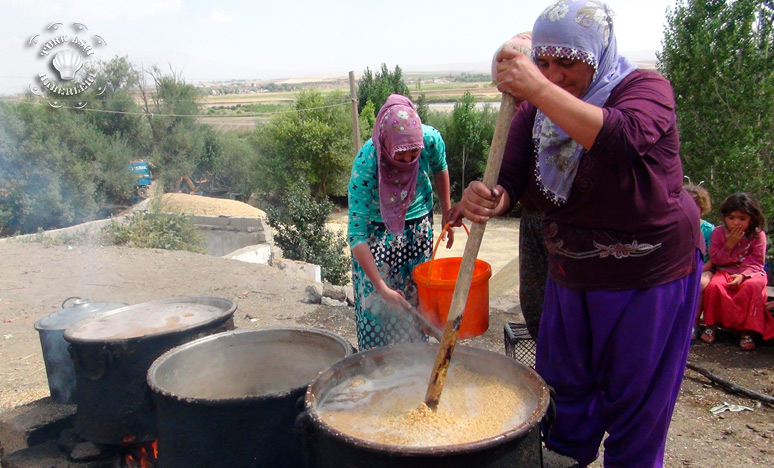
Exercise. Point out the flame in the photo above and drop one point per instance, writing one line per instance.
(140, 455)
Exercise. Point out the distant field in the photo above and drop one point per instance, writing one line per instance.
(241, 112)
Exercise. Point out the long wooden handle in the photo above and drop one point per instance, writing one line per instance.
(465, 276)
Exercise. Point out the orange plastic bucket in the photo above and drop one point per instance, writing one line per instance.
(436, 280)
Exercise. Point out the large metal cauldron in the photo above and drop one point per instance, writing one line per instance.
(113, 351)
(518, 447)
(51, 328)
(231, 399)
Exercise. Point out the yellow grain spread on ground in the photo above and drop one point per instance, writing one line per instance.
(208, 206)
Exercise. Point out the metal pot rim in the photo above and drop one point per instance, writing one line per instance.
(227, 310)
(310, 403)
(220, 402)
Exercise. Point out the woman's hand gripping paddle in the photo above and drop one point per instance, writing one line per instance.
(464, 278)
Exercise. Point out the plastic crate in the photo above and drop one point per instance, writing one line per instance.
(519, 344)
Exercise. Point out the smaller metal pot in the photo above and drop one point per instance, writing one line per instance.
(112, 352)
(59, 365)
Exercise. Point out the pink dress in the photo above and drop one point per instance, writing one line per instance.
(740, 309)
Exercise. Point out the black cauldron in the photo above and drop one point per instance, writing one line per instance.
(112, 352)
(519, 446)
(231, 399)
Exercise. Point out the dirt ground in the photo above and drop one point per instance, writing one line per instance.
(36, 279)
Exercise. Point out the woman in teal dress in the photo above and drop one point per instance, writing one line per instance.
(390, 227)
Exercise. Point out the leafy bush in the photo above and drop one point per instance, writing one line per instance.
(143, 229)
(299, 222)
(313, 142)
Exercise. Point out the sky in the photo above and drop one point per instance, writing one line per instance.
(259, 40)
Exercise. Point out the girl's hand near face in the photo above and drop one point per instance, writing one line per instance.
(734, 281)
(733, 236)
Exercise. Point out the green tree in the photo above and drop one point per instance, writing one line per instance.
(56, 168)
(718, 56)
(312, 143)
(111, 102)
(467, 133)
(178, 142)
(376, 88)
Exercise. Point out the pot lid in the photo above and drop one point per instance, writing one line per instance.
(151, 318)
(81, 309)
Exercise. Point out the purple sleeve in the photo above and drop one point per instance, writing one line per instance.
(753, 264)
(514, 172)
(644, 112)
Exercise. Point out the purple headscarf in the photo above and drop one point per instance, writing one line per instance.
(397, 128)
(581, 30)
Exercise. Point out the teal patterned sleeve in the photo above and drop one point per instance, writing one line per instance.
(363, 194)
(706, 230)
(435, 149)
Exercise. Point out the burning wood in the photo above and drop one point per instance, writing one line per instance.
(142, 455)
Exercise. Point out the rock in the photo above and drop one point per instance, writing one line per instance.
(87, 451)
(313, 293)
(68, 440)
(334, 292)
(350, 290)
(327, 301)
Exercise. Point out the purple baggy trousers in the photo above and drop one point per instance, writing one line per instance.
(616, 360)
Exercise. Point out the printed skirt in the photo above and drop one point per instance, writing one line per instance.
(396, 257)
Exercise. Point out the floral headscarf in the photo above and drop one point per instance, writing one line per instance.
(397, 128)
(579, 30)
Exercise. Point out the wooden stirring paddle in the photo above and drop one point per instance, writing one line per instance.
(465, 275)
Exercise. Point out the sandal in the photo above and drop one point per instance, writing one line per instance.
(747, 343)
(708, 336)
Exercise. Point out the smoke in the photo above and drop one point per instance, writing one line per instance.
(385, 313)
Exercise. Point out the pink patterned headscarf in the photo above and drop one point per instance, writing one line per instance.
(397, 128)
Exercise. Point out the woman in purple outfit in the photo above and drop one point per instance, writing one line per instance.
(595, 147)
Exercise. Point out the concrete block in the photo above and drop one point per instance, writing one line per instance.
(252, 222)
(298, 269)
(34, 423)
(223, 221)
(202, 220)
(260, 253)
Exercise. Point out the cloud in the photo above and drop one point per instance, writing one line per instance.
(216, 17)
(92, 10)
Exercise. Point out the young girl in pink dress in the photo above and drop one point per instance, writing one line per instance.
(735, 298)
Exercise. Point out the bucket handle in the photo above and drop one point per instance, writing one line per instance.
(435, 249)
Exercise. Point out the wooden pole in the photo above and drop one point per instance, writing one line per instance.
(355, 120)
(465, 276)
